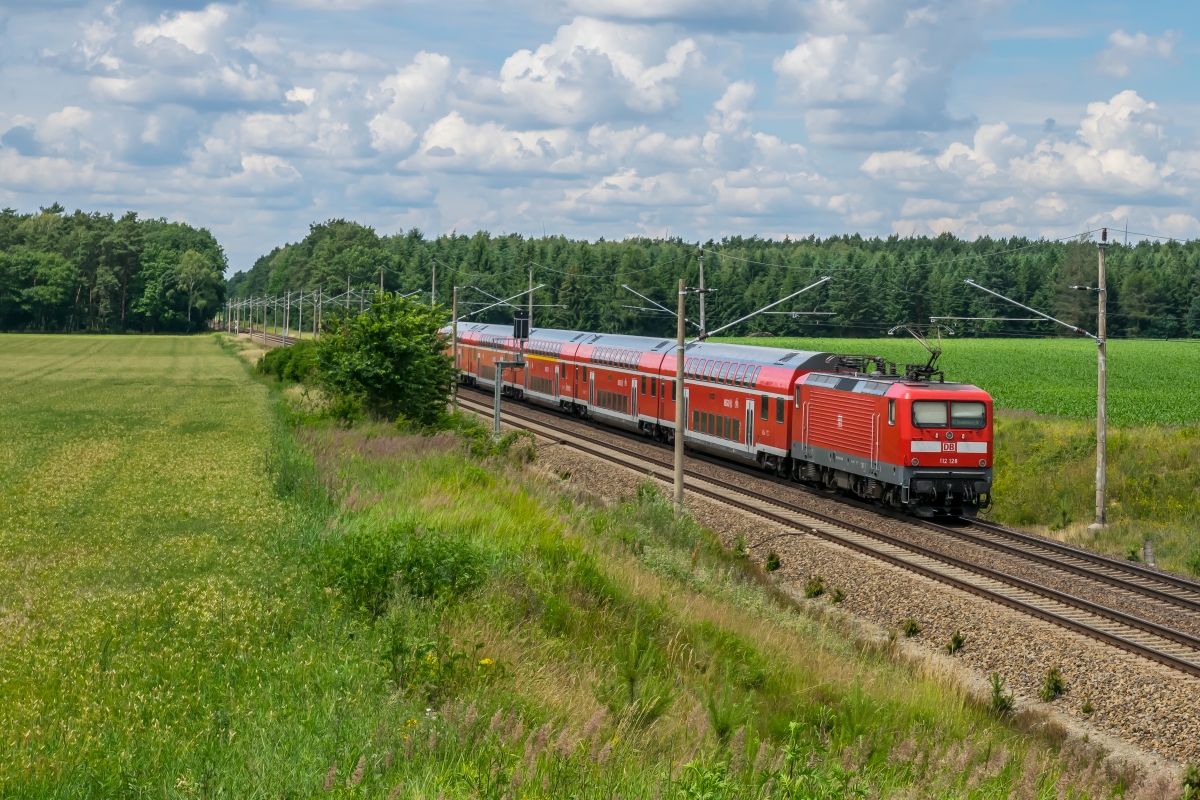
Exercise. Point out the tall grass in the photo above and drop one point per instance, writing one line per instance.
(610, 649)
(1046, 477)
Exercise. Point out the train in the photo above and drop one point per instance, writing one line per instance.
(854, 424)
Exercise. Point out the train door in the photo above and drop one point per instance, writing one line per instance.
(750, 425)
(557, 369)
(686, 411)
(875, 442)
(592, 387)
(633, 398)
(805, 419)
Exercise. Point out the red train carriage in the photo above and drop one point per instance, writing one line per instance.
(921, 446)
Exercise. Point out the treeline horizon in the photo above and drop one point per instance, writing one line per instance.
(93, 272)
(1153, 288)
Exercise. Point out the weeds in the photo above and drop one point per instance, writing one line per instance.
(1087, 707)
(814, 587)
(957, 640)
(910, 627)
(837, 596)
(1053, 685)
(1001, 702)
(773, 562)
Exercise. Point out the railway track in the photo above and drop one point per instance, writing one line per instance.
(1128, 632)
(276, 339)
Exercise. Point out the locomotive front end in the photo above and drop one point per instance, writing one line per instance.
(945, 433)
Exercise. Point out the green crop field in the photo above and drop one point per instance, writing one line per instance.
(1148, 381)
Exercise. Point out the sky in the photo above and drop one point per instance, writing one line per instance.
(690, 118)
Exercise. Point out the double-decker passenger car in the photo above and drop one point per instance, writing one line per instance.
(919, 445)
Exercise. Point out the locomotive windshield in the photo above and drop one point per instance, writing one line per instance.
(932, 414)
(968, 415)
(929, 413)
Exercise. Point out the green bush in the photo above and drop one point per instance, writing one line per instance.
(815, 587)
(368, 561)
(392, 355)
(1053, 685)
(361, 563)
(297, 362)
(1002, 702)
(441, 566)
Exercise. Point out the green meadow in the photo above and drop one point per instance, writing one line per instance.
(199, 598)
(1149, 382)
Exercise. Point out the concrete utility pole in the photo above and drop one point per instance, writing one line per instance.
(1101, 393)
(433, 286)
(454, 333)
(703, 328)
(381, 279)
(530, 303)
(680, 412)
(300, 316)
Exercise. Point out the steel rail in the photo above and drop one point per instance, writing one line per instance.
(1167, 659)
(1087, 555)
(1099, 577)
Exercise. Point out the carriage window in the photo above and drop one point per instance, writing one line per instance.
(672, 391)
(643, 384)
(724, 369)
(653, 387)
(737, 433)
(710, 370)
(695, 420)
(754, 380)
(968, 415)
(797, 395)
(737, 380)
(929, 413)
(764, 407)
(779, 406)
(729, 427)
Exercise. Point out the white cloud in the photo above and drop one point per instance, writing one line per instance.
(879, 164)
(1125, 49)
(417, 92)
(453, 144)
(869, 67)
(198, 31)
(298, 94)
(923, 207)
(592, 70)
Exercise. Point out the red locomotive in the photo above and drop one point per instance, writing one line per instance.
(842, 422)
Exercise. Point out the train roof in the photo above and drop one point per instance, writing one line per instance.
(744, 353)
(763, 356)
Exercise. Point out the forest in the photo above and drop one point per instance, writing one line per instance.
(92, 272)
(1153, 288)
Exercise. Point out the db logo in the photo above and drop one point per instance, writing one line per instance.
(839, 420)
(947, 447)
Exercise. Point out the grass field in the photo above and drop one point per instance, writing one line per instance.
(1149, 382)
(158, 632)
